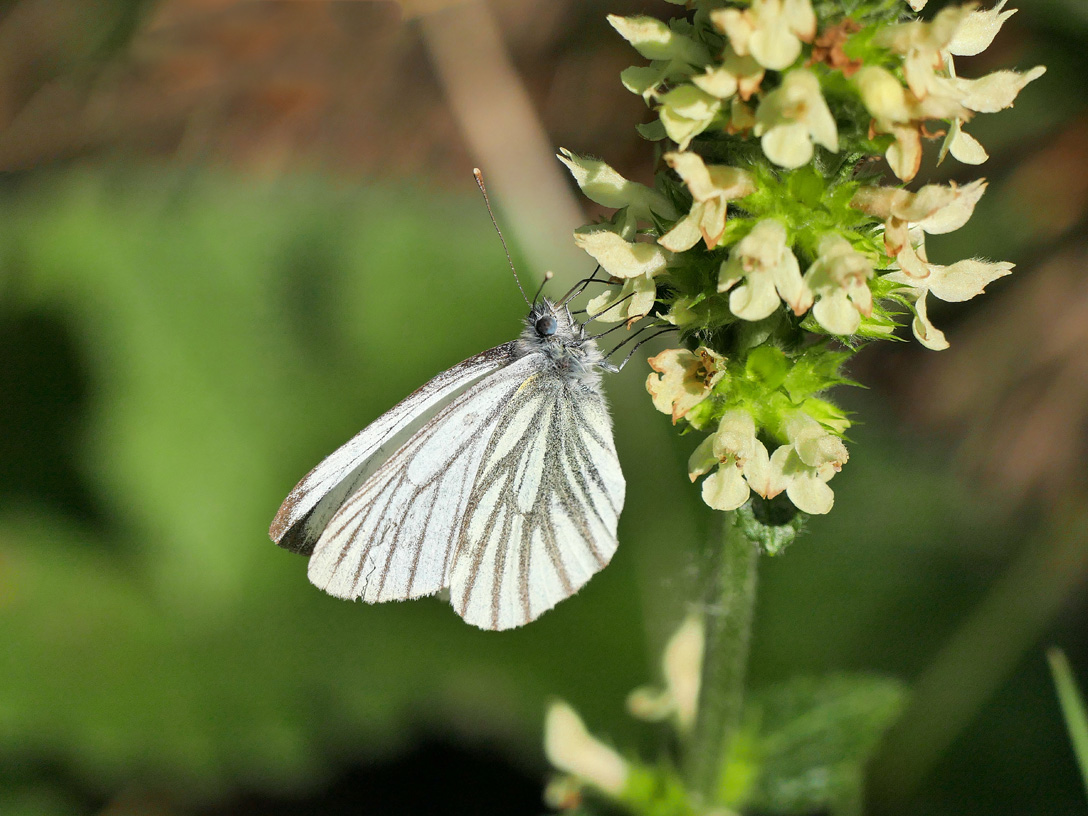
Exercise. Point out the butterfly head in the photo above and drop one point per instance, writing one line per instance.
(546, 325)
(552, 330)
(549, 323)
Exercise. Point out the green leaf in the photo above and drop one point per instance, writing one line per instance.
(652, 131)
(814, 737)
(1076, 718)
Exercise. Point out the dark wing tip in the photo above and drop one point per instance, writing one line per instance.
(290, 536)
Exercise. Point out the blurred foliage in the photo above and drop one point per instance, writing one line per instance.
(814, 736)
(231, 336)
(1073, 709)
(191, 344)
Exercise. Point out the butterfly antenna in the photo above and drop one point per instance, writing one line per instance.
(580, 287)
(479, 176)
(547, 277)
(618, 326)
(639, 343)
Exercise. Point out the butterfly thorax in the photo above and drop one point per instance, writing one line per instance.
(552, 331)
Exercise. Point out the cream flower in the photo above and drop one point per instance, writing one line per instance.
(956, 283)
(962, 145)
(571, 748)
(681, 665)
(838, 279)
(672, 52)
(686, 379)
(898, 111)
(770, 271)
(655, 40)
(604, 185)
(771, 31)
(712, 188)
(635, 263)
(633, 299)
(686, 111)
(740, 458)
(803, 467)
(934, 89)
(894, 110)
(996, 91)
(935, 209)
(988, 94)
(793, 117)
(735, 75)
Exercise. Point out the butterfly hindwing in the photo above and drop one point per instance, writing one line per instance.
(394, 536)
(541, 518)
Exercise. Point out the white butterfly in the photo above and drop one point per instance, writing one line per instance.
(497, 479)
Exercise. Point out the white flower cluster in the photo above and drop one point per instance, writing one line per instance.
(759, 71)
(935, 209)
(933, 91)
(801, 468)
(761, 271)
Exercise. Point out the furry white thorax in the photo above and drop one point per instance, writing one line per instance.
(575, 357)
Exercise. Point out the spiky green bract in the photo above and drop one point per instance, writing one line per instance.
(771, 384)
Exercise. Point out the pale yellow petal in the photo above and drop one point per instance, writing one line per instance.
(717, 82)
(684, 233)
(998, 90)
(821, 124)
(736, 25)
(692, 169)
(904, 156)
(787, 146)
(884, 95)
(965, 279)
(956, 212)
(975, 34)
(755, 299)
(774, 47)
(810, 494)
(702, 459)
(837, 314)
(966, 148)
(757, 470)
(790, 285)
(571, 748)
(927, 334)
(725, 488)
(620, 258)
(777, 478)
(801, 18)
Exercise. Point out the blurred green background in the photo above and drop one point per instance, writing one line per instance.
(232, 233)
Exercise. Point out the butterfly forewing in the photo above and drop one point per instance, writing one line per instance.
(541, 518)
(307, 510)
(394, 537)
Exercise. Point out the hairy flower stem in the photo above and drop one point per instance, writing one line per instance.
(729, 600)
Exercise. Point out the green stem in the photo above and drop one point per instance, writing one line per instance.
(730, 596)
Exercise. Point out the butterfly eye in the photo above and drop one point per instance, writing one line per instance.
(546, 326)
